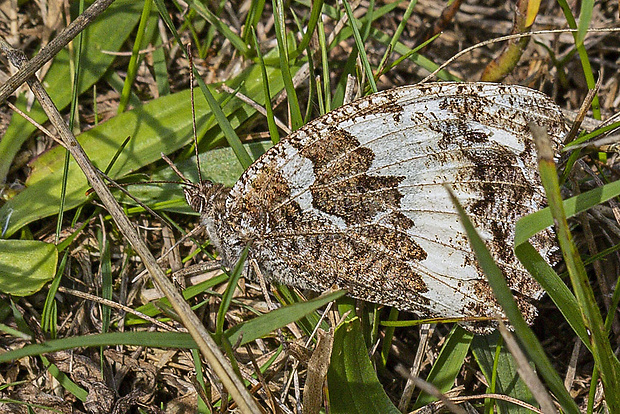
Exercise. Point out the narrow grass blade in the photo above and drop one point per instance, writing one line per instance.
(132, 67)
(151, 310)
(554, 286)
(585, 17)
(501, 291)
(49, 314)
(315, 14)
(150, 339)
(397, 33)
(273, 129)
(224, 124)
(448, 364)
(606, 361)
(221, 27)
(62, 378)
(269, 322)
(581, 50)
(235, 275)
(105, 271)
(360, 47)
(250, 330)
(283, 53)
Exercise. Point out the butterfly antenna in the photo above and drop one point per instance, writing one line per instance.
(186, 181)
(121, 187)
(191, 94)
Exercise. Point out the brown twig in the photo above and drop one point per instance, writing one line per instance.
(195, 327)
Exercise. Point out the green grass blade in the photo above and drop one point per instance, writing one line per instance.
(221, 27)
(283, 54)
(607, 363)
(448, 364)
(397, 33)
(252, 18)
(269, 322)
(225, 125)
(370, 77)
(554, 286)
(531, 224)
(323, 90)
(273, 129)
(105, 270)
(585, 18)
(315, 14)
(50, 309)
(387, 337)
(501, 291)
(227, 297)
(132, 67)
(79, 392)
(583, 53)
(150, 339)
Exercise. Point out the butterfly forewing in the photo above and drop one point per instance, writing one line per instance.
(356, 199)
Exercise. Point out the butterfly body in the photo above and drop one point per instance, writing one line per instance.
(356, 199)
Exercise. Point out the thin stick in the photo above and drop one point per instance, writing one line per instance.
(203, 339)
(115, 305)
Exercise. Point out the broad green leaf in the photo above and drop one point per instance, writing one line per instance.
(507, 381)
(351, 379)
(109, 32)
(26, 265)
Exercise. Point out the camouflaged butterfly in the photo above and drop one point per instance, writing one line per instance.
(356, 199)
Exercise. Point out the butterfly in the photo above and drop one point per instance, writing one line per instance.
(356, 199)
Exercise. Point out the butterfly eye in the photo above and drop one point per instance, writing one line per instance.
(195, 198)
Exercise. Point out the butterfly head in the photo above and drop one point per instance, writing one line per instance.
(205, 197)
(209, 199)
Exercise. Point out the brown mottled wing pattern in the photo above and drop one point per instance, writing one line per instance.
(356, 199)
